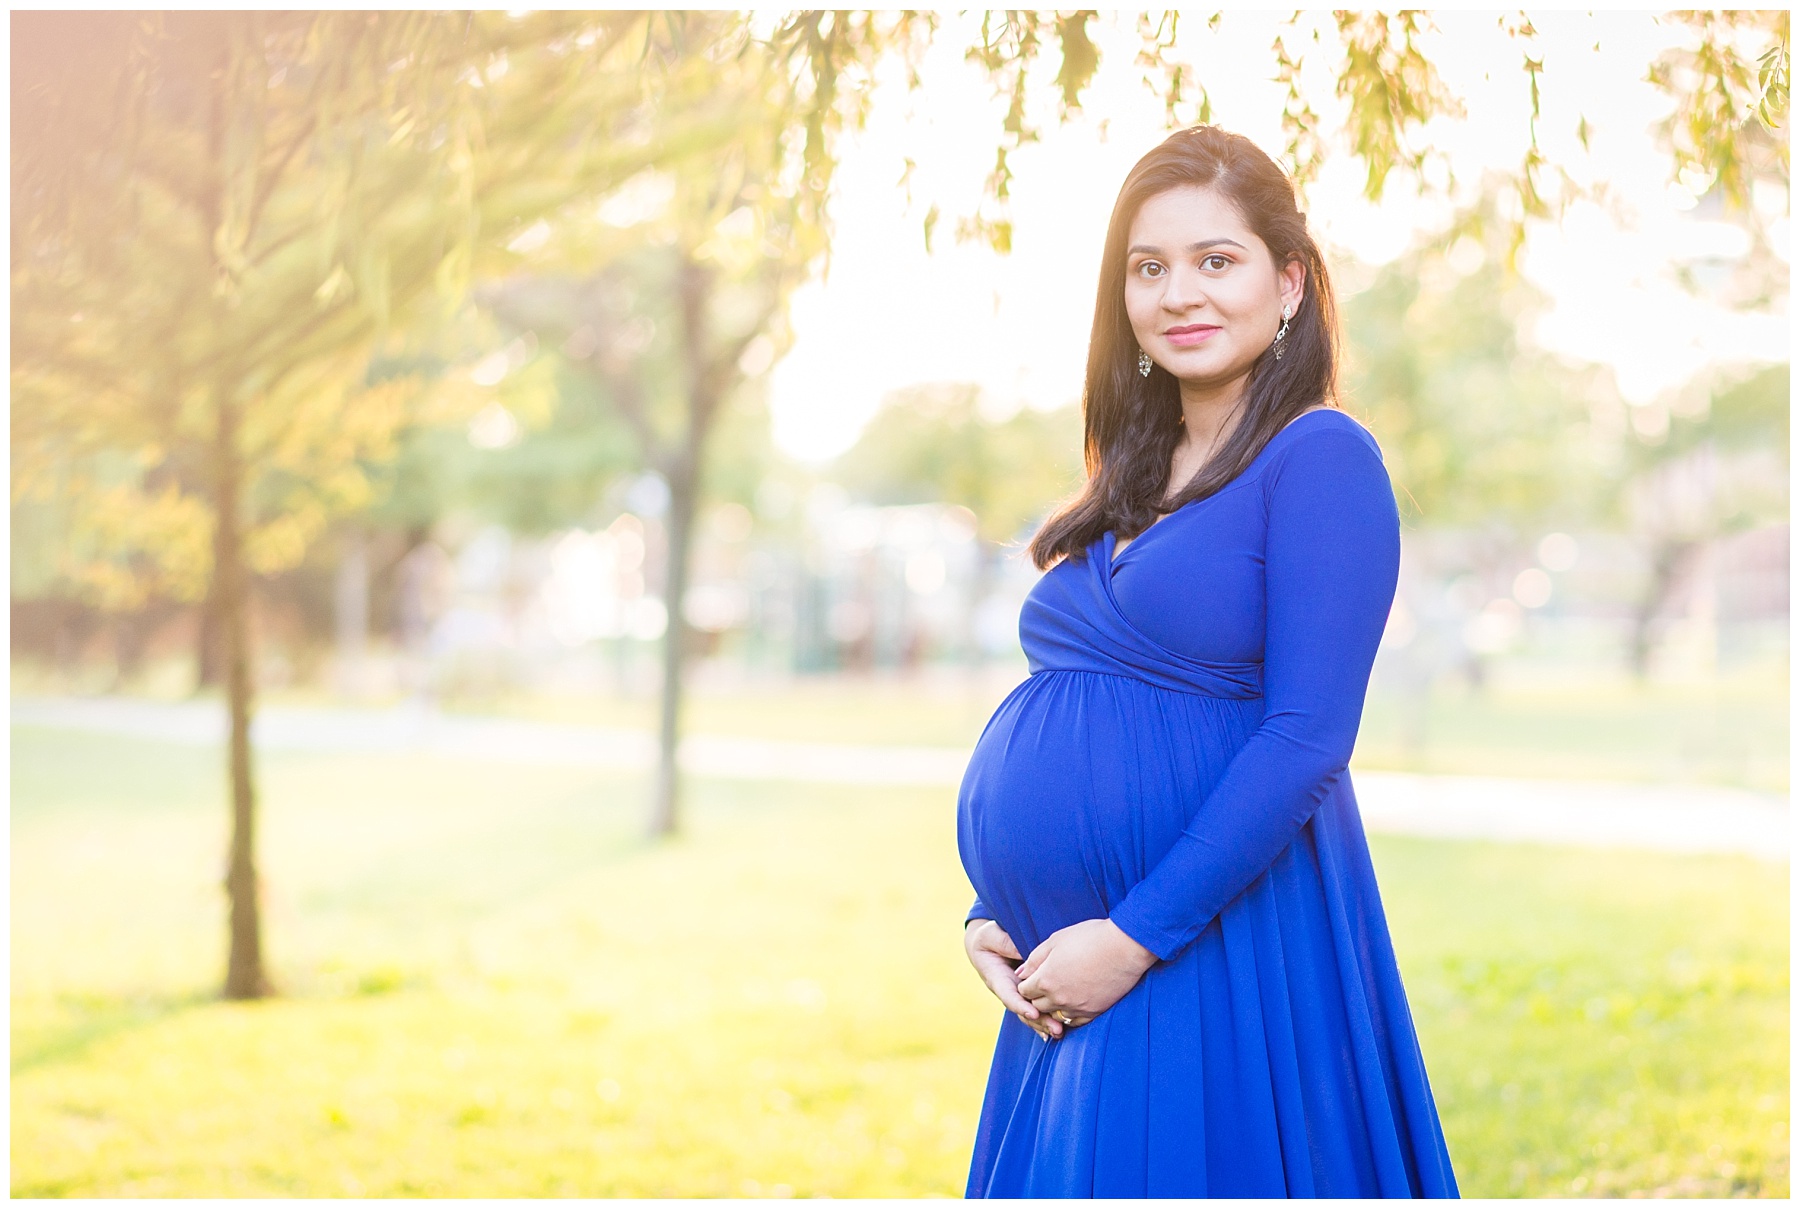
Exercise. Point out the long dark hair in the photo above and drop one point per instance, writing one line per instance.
(1133, 423)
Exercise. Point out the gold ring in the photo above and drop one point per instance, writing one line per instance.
(1064, 1017)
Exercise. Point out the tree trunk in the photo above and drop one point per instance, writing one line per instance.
(1667, 568)
(244, 975)
(351, 606)
(684, 489)
(707, 380)
(209, 671)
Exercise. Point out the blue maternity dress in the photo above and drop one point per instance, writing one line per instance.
(1176, 761)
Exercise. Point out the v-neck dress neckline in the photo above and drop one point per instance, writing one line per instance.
(1115, 556)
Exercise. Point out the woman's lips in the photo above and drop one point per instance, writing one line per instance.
(1192, 334)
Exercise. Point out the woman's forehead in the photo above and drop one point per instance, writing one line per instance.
(1189, 214)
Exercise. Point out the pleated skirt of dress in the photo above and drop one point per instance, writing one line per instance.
(1274, 1057)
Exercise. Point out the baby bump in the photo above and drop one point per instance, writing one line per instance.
(1078, 786)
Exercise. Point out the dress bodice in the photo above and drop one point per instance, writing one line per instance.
(1185, 605)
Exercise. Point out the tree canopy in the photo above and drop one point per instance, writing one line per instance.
(933, 444)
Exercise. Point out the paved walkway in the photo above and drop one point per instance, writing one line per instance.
(1675, 818)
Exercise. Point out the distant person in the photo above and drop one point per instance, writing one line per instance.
(1159, 820)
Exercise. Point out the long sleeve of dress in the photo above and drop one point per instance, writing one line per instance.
(1331, 563)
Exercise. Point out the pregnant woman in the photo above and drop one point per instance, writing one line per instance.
(1175, 898)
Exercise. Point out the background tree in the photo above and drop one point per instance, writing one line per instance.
(934, 444)
(1475, 420)
(687, 275)
(218, 218)
(1717, 466)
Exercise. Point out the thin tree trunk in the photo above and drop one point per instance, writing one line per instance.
(707, 378)
(208, 666)
(351, 606)
(244, 974)
(228, 601)
(665, 803)
(1667, 568)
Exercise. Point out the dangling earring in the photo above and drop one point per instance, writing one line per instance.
(1281, 335)
(1143, 364)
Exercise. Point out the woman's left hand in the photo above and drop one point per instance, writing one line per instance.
(1083, 969)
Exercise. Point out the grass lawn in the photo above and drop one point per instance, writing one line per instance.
(1731, 730)
(493, 987)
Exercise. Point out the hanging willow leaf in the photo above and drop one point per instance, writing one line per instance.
(1773, 68)
(1727, 105)
(1080, 57)
(1392, 90)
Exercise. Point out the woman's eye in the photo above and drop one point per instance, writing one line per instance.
(1223, 261)
(1150, 268)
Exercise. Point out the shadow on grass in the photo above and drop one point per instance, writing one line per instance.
(84, 1021)
(81, 1022)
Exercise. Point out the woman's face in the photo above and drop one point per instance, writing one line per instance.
(1202, 290)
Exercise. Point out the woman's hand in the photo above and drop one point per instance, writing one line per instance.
(994, 955)
(1081, 970)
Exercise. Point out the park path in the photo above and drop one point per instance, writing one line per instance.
(1666, 817)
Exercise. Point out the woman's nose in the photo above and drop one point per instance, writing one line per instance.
(1184, 291)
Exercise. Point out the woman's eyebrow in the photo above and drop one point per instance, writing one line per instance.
(1193, 247)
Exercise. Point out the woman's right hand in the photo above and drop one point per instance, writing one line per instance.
(992, 952)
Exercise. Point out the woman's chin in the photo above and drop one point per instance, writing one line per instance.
(1207, 370)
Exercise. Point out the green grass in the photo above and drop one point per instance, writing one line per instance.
(1599, 1023)
(1730, 730)
(492, 986)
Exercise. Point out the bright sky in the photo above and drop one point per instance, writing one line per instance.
(890, 315)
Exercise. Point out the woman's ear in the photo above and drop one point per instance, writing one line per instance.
(1293, 283)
